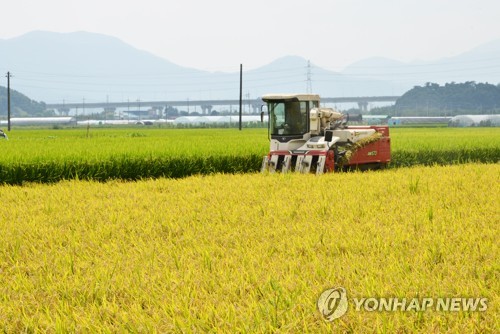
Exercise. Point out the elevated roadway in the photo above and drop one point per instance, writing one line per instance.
(206, 105)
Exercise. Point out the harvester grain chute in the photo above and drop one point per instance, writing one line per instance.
(309, 139)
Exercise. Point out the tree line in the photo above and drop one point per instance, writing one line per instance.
(21, 105)
(449, 99)
(431, 99)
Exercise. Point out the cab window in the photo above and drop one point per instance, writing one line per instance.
(289, 118)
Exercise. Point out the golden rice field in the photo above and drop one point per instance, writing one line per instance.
(250, 252)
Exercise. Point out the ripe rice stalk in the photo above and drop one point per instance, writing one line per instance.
(352, 148)
(248, 253)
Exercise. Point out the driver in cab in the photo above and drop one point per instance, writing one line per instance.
(294, 118)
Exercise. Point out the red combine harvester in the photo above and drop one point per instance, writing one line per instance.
(309, 139)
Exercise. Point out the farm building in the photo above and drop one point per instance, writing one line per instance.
(197, 120)
(474, 120)
(40, 121)
(376, 119)
(418, 120)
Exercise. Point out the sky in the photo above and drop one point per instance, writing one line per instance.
(218, 35)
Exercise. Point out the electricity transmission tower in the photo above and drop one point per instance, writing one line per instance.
(309, 81)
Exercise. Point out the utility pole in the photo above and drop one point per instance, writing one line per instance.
(8, 100)
(106, 110)
(241, 93)
(247, 95)
(139, 104)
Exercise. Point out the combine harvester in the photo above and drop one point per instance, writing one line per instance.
(306, 138)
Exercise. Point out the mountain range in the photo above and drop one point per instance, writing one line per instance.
(57, 67)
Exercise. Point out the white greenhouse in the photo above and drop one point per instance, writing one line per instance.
(198, 120)
(474, 120)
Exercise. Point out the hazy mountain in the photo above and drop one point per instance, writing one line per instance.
(56, 67)
(290, 73)
(481, 64)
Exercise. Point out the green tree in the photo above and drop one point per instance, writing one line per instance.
(452, 98)
(21, 105)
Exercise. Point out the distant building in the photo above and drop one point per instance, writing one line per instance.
(40, 121)
(376, 119)
(418, 120)
(474, 120)
(198, 120)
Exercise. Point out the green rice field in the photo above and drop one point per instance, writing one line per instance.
(50, 155)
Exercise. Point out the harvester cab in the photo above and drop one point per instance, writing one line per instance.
(307, 138)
